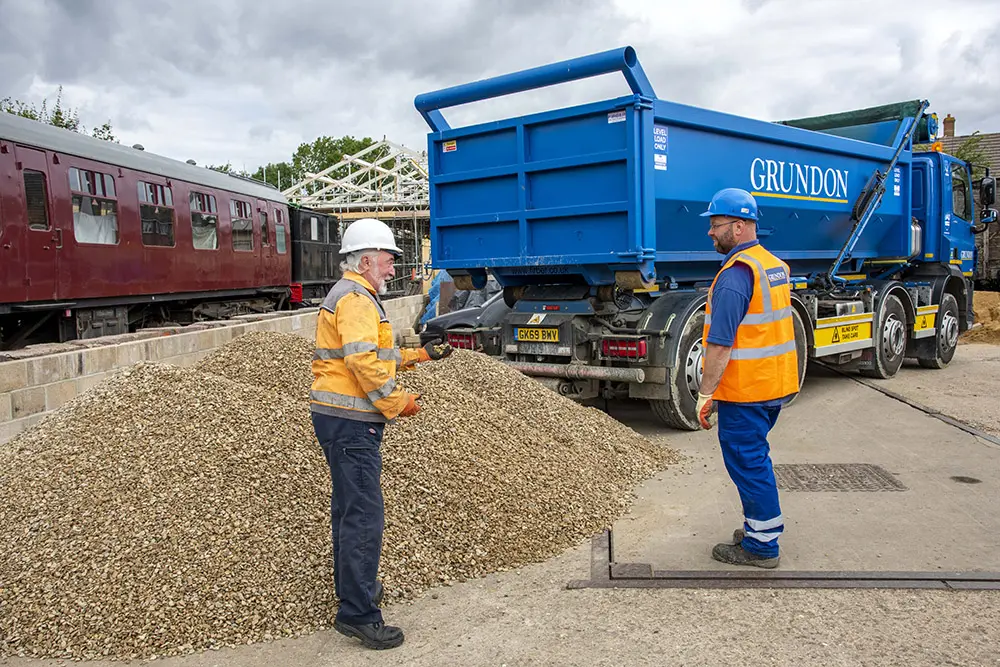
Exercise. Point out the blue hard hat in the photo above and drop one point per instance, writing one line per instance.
(734, 203)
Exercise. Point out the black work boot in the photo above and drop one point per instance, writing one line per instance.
(373, 635)
(735, 554)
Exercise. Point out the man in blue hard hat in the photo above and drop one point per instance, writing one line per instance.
(750, 370)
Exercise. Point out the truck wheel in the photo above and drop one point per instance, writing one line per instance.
(946, 339)
(801, 351)
(890, 341)
(678, 410)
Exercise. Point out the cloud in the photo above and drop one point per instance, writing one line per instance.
(224, 80)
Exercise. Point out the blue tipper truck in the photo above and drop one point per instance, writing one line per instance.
(588, 217)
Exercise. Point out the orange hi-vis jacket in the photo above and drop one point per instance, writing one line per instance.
(763, 364)
(356, 358)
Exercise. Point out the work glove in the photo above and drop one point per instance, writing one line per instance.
(412, 407)
(437, 349)
(706, 411)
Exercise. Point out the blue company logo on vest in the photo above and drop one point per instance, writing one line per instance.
(791, 180)
(777, 277)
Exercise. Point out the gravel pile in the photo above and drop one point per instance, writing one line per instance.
(277, 361)
(171, 510)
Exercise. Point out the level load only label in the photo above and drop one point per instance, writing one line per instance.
(659, 147)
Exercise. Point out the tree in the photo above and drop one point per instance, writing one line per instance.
(66, 118)
(972, 151)
(313, 158)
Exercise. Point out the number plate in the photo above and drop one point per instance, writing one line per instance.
(536, 335)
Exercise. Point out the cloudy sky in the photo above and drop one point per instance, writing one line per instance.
(247, 81)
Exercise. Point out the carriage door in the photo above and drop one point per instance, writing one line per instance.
(43, 237)
(266, 243)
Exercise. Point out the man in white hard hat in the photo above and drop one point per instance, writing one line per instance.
(354, 394)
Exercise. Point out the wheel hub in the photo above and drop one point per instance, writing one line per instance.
(949, 331)
(893, 337)
(693, 370)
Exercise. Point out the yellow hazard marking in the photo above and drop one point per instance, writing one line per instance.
(956, 261)
(800, 197)
(927, 309)
(844, 319)
(924, 322)
(929, 255)
(847, 333)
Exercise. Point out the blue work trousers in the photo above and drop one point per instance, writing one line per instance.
(743, 431)
(357, 512)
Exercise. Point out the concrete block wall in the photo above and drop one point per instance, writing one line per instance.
(31, 387)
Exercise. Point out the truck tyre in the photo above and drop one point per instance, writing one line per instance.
(890, 341)
(678, 410)
(946, 338)
(801, 351)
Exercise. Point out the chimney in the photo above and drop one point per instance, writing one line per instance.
(949, 126)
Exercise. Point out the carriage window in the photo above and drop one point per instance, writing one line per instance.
(204, 222)
(36, 199)
(279, 232)
(95, 211)
(242, 225)
(264, 238)
(156, 214)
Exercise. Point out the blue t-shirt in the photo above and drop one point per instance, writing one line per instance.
(730, 302)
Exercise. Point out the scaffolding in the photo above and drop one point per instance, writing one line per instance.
(386, 181)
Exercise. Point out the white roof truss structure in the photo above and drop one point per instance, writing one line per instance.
(384, 176)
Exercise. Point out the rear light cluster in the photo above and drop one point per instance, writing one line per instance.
(630, 348)
(462, 341)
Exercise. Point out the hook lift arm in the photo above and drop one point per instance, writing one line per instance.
(864, 208)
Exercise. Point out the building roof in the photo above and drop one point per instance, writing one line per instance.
(42, 135)
(990, 145)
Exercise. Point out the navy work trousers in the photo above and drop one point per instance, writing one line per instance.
(743, 431)
(357, 512)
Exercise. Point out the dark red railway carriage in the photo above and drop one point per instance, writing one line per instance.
(97, 238)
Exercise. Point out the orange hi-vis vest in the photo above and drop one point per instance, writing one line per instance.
(356, 358)
(763, 365)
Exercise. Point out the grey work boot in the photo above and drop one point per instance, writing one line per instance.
(735, 554)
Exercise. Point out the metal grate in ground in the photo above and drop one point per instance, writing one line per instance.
(835, 477)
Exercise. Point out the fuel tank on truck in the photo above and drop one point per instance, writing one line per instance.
(615, 189)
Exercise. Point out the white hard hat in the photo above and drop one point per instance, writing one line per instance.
(368, 234)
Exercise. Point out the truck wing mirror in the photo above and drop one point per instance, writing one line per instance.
(987, 191)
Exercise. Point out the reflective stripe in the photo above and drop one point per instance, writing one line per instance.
(340, 353)
(755, 524)
(384, 353)
(760, 318)
(390, 354)
(343, 401)
(763, 537)
(765, 287)
(763, 352)
(344, 287)
(767, 318)
(382, 391)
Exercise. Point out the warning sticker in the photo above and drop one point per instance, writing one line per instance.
(924, 322)
(450, 146)
(537, 318)
(847, 333)
(616, 117)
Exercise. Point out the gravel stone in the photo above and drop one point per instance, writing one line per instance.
(170, 510)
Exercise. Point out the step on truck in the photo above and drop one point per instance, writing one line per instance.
(589, 217)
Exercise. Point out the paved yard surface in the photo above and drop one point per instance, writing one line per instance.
(528, 617)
